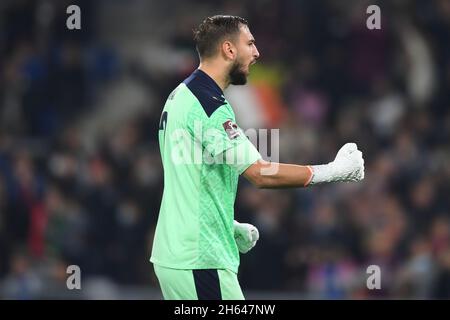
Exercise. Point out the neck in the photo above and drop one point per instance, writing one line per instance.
(216, 73)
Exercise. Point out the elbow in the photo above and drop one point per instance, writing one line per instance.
(259, 182)
(256, 178)
(263, 184)
(259, 185)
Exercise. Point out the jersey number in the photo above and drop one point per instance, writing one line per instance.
(163, 124)
(163, 121)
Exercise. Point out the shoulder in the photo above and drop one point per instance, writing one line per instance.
(207, 93)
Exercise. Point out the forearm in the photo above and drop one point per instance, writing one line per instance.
(278, 175)
(288, 176)
(347, 166)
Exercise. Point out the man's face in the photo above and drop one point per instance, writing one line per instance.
(247, 54)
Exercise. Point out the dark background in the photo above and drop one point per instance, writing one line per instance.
(80, 173)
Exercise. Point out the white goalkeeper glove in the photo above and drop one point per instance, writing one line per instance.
(347, 166)
(246, 236)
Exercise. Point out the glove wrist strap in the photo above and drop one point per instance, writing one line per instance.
(323, 173)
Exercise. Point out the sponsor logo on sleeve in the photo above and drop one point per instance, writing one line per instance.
(231, 129)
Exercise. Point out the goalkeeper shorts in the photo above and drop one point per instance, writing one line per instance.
(202, 284)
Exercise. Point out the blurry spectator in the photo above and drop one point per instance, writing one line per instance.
(23, 282)
(441, 288)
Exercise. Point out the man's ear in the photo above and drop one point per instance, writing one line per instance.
(228, 50)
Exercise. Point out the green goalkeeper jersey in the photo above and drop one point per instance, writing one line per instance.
(203, 153)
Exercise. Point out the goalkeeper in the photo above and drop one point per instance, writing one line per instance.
(197, 242)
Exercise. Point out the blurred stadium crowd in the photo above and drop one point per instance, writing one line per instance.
(74, 190)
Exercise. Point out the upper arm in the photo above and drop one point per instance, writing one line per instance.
(222, 139)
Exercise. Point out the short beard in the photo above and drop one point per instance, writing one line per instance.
(236, 75)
